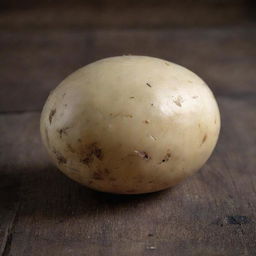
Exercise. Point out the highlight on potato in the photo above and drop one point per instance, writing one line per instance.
(130, 124)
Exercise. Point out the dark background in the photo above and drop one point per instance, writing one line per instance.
(42, 212)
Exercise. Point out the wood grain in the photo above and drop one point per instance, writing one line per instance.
(124, 13)
(211, 213)
(34, 62)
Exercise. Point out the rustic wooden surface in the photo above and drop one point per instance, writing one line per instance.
(51, 14)
(43, 213)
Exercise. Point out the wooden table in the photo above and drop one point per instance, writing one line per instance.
(212, 213)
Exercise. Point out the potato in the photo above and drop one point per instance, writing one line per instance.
(130, 124)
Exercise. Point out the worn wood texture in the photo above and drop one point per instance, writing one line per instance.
(124, 13)
(211, 213)
(34, 62)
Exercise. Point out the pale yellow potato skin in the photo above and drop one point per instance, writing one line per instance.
(130, 124)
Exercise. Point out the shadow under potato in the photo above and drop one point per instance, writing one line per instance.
(46, 192)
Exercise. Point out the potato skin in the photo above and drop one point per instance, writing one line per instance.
(130, 124)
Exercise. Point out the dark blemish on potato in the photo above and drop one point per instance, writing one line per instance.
(65, 105)
(146, 121)
(142, 154)
(132, 97)
(51, 115)
(79, 140)
(106, 171)
(97, 175)
(93, 151)
(152, 104)
(70, 148)
(98, 153)
(47, 137)
(87, 160)
(178, 101)
(150, 182)
(60, 158)
(150, 234)
(166, 158)
(63, 131)
(195, 97)
(148, 84)
(204, 138)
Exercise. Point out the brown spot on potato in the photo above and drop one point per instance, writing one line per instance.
(98, 153)
(65, 105)
(60, 158)
(148, 84)
(93, 151)
(204, 138)
(146, 121)
(152, 104)
(166, 158)
(178, 101)
(142, 154)
(63, 131)
(79, 140)
(97, 175)
(132, 97)
(70, 148)
(51, 115)
(87, 160)
(106, 171)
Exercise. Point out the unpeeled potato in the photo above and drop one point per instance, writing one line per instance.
(130, 124)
